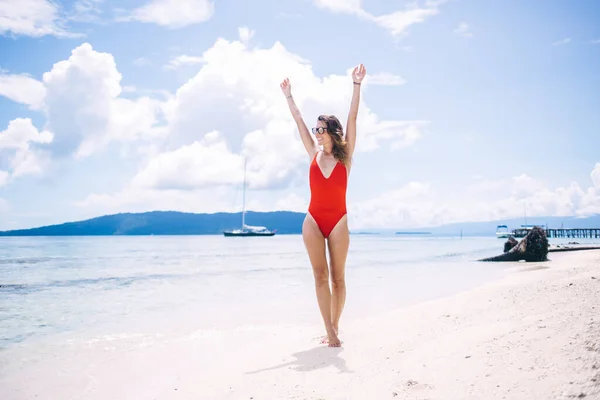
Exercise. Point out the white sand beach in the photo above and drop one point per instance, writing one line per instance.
(532, 335)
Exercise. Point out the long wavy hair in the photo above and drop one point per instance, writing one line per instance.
(336, 132)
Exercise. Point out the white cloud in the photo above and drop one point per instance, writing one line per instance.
(86, 11)
(561, 42)
(84, 109)
(403, 207)
(233, 109)
(23, 89)
(289, 202)
(20, 132)
(596, 41)
(184, 60)
(19, 142)
(139, 199)
(197, 165)
(174, 13)
(237, 93)
(420, 204)
(37, 18)
(463, 30)
(396, 23)
(396, 135)
(29, 162)
(80, 98)
(32, 18)
(342, 6)
(245, 34)
(524, 186)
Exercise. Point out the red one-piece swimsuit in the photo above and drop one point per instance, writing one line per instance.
(327, 196)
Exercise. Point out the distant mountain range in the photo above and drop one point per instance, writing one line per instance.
(167, 223)
(284, 222)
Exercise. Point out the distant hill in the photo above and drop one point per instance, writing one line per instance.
(168, 223)
(285, 222)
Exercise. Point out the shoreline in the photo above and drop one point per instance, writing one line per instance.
(532, 334)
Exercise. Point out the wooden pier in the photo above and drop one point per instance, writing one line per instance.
(573, 233)
(562, 233)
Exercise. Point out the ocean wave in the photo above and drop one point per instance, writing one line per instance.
(26, 260)
(12, 286)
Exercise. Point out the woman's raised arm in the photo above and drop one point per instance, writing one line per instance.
(307, 139)
(357, 76)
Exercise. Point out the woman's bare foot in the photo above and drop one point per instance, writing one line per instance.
(333, 341)
(325, 339)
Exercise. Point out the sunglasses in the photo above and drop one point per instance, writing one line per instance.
(319, 130)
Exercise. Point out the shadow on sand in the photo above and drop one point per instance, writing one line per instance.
(313, 359)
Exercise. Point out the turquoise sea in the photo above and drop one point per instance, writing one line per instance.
(100, 285)
(61, 287)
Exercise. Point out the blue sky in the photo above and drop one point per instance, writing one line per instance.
(471, 110)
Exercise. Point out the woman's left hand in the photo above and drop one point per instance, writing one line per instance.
(359, 73)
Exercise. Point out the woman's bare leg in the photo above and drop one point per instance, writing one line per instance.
(315, 246)
(338, 244)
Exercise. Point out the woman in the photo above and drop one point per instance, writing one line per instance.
(326, 224)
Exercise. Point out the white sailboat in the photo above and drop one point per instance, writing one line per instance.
(247, 230)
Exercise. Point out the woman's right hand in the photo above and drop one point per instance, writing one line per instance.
(286, 87)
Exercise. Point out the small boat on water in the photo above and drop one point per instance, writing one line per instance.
(502, 231)
(247, 230)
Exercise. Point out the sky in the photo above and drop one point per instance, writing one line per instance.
(472, 110)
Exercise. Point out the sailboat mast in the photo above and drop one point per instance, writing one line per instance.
(244, 199)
